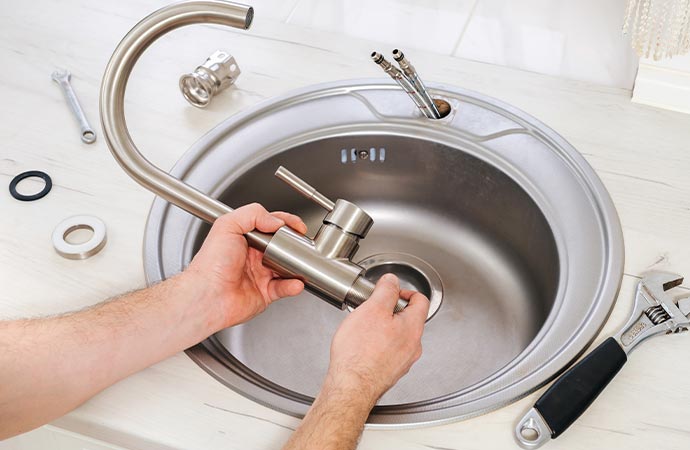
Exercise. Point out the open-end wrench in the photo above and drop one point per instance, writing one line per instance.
(62, 78)
(656, 312)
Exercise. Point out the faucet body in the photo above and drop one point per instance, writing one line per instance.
(324, 264)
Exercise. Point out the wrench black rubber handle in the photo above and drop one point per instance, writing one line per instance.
(577, 388)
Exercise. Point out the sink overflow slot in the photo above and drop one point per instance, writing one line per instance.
(353, 154)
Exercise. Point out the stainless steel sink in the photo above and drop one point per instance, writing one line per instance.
(487, 211)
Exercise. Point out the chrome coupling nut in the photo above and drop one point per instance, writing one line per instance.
(218, 72)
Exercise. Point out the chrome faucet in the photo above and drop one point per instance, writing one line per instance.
(324, 264)
(325, 261)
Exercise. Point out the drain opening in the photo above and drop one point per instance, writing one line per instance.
(443, 107)
(415, 274)
(410, 278)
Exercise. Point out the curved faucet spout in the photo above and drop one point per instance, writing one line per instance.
(112, 102)
(321, 264)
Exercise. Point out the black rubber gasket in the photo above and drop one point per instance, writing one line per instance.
(31, 174)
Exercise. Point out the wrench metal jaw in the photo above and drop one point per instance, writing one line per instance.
(62, 78)
(656, 311)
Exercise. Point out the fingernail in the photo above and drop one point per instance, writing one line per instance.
(389, 277)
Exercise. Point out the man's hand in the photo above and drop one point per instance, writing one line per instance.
(374, 348)
(231, 273)
(371, 351)
(74, 356)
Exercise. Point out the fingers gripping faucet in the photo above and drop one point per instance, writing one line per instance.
(325, 263)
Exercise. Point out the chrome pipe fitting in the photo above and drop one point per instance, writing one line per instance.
(219, 71)
(324, 264)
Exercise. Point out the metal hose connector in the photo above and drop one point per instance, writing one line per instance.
(112, 102)
(400, 78)
(411, 73)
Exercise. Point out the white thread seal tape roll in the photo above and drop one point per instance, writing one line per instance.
(85, 249)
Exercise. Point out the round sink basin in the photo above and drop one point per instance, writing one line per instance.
(487, 211)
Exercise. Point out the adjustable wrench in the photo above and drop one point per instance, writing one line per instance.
(62, 78)
(656, 311)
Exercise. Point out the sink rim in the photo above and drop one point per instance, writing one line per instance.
(608, 288)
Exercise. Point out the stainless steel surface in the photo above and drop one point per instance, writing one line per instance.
(411, 73)
(85, 249)
(406, 84)
(62, 78)
(520, 230)
(532, 431)
(323, 264)
(655, 311)
(219, 71)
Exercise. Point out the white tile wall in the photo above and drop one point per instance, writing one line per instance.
(578, 39)
(573, 39)
(272, 9)
(434, 25)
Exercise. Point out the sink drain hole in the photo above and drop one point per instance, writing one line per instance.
(415, 274)
(443, 107)
(410, 279)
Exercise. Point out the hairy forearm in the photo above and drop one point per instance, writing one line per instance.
(74, 356)
(336, 419)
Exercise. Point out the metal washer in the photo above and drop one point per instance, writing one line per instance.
(85, 249)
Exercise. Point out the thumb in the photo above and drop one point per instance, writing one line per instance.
(386, 292)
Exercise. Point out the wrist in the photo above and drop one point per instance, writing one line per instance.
(337, 416)
(197, 302)
(358, 387)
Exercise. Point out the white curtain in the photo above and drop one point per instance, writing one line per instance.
(658, 28)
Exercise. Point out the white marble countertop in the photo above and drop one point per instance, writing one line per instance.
(642, 154)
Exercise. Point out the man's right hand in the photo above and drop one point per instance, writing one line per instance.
(374, 348)
(370, 352)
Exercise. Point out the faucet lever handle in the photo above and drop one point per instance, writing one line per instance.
(304, 188)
